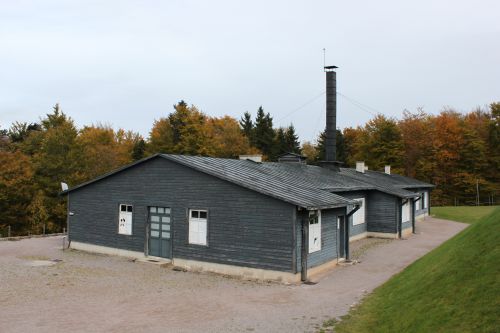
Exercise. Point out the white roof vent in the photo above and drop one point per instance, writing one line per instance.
(360, 166)
(255, 158)
(388, 169)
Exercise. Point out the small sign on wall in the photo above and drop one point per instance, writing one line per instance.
(125, 220)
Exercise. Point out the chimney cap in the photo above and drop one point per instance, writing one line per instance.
(330, 68)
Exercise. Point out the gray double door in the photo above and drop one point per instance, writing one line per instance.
(160, 232)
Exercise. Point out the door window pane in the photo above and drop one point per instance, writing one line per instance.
(165, 219)
(160, 210)
(165, 235)
(155, 218)
(167, 210)
(155, 226)
(152, 209)
(203, 215)
(155, 233)
(194, 214)
(165, 227)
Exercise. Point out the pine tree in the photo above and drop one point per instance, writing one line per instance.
(280, 145)
(247, 127)
(264, 133)
(139, 150)
(292, 140)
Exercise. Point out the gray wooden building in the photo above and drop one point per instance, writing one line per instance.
(281, 220)
(258, 219)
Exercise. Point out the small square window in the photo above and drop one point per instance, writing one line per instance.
(152, 209)
(160, 210)
(123, 208)
(203, 215)
(129, 209)
(194, 214)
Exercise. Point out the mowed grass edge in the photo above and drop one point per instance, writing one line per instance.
(466, 214)
(454, 288)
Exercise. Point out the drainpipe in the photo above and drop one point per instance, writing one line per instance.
(305, 248)
(347, 225)
(400, 218)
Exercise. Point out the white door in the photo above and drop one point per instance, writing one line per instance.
(125, 220)
(314, 230)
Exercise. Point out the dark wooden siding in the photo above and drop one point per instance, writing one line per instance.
(328, 250)
(245, 228)
(382, 212)
(360, 228)
(421, 211)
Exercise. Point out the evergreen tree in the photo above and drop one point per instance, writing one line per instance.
(280, 145)
(340, 144)
(139, 150)
(292, 140)
(247, 127)
(264, 133)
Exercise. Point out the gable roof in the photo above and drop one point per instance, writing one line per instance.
(303, 185)
(251, 175)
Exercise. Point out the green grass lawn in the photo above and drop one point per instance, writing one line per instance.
(454, 288)
(466, 214)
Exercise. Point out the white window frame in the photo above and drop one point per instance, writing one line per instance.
(406, 208)
(198, 227)
(314, 230)
(426, 198)
(125, 228)
(359, 217)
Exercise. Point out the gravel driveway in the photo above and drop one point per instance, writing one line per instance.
(96, 293)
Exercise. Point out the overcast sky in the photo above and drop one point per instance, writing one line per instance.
(125, 63)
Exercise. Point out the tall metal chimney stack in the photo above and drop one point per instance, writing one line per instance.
(331, 120)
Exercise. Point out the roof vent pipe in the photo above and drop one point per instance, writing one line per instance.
(360, 166)
(388, 169)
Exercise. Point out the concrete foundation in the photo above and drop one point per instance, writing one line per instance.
(106, 250)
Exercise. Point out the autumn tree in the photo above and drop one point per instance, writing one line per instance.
(16, 189)
(187, 130)
(225, 139)
(161, 139)
(56, 160)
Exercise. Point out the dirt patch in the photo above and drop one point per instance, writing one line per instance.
(360, 247)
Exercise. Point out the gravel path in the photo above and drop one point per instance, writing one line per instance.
(96, 293)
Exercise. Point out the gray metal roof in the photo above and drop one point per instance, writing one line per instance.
(303, 185)
(394, 181)
(263, 178)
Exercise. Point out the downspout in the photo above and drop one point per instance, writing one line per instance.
(400, 218)
(347, 225)
(305, 249)
(413, 212)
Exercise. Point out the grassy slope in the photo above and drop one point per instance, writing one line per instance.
(454, 288)
(467, 214)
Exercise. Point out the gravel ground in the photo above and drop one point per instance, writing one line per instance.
(43, 289)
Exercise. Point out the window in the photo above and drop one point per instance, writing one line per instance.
(405, 213)
(125, 220)
(198, 227)
(314, 231)
(426, 199)
(359, 216)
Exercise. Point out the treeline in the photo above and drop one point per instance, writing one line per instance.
(36, 157)
(459, 153)
(456, 152)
